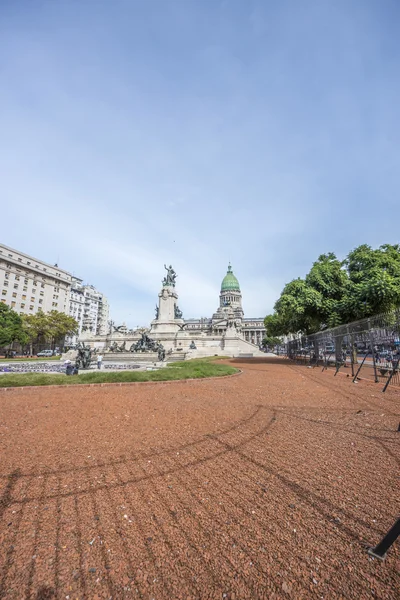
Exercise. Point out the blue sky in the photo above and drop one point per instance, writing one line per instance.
(194, 132)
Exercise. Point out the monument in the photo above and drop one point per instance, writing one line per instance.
(168, 319)
(170, 337)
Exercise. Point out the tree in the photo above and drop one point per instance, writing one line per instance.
(60, 325)
(375, 280)
(271, 341)
(366, 283)
(11, 328)
(36, 327)
(49, 327)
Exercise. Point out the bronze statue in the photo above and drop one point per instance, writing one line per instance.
(84, 357)
(161, 353)
(178, 312)
(170, 277)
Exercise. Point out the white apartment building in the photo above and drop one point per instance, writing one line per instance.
(90, 309)
(28, 284)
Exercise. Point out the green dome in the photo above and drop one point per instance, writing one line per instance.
(229, 282)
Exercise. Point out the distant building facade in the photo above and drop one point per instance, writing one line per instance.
(28, 284)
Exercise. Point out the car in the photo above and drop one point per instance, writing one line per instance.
(329, 349)
(45, 353)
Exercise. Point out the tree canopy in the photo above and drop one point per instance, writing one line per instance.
(11, 329)
(49, 327)
(335, 292)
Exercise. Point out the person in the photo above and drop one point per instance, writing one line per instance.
(68, 367)
(99, 361)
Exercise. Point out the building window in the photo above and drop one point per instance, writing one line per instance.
(25, 288)
(31, 307)
(42, 293)
(24, 297)
(20, 259)
(12, 304)
(33, 299)
(4, 293)
(7, 275)
(14, 294)
(42, 285)
(3, 299)
(54, 304)
(28, 262)
(34, 291)
(25, 281)
(17, 277)
(5, 283)
(15, 286)
(40, 301)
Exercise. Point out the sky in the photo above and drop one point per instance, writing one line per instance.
(197, 132)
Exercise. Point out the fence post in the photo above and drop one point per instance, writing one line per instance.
(394, 369)
(379, 551)
(372, 344)
(360, 367)
(352, 354)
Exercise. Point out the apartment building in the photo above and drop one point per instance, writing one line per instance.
(28, 284)
(90, 309)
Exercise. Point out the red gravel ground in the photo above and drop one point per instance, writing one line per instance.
(269, 484)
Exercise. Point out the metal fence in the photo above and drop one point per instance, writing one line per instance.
(369, 348)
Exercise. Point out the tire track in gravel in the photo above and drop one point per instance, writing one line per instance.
(9, 550)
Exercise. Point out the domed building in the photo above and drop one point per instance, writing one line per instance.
(230, 308)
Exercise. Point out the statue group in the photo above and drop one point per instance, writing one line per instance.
(146, 344)
(115, 348)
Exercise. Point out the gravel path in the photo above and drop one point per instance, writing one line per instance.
(266, 485)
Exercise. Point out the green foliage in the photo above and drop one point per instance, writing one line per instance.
(271, 341)
(11, 329)
(49, 327)
(191, 369)
(366, 283)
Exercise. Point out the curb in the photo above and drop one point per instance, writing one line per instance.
(117, 384)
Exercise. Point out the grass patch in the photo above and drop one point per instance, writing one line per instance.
(192, 369)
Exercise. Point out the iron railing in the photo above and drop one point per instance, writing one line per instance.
(369, 348)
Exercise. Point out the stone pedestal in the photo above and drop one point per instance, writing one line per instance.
(166, 322)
